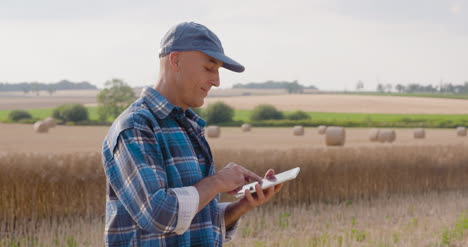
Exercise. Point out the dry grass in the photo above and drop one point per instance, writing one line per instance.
(429, 220)
(338, 174)
(399, 221)
(54, 190)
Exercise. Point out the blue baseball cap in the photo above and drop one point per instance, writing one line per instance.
(191, 36)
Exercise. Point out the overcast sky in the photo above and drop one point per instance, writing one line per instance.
(328, 43)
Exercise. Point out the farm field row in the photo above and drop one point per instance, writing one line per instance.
(21, 138)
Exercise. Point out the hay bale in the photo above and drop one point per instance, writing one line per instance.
(322, 129)
(246, 127)
(50, 122)
(461, 131)
(386, 135)
(40, 127)
(373, 135)
(213, 131)
(335, 136)
(419, 133)
(298, 130)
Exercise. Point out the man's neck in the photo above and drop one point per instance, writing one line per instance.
(168, 92)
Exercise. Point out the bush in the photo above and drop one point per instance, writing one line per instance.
(298, 115)
(17, 115)
(265, 112)
(218, 112)
(71, 113)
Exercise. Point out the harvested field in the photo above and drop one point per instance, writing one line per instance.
(19, 100)
(61, 139)
(349, 103)
(284, 102)
(21, 138)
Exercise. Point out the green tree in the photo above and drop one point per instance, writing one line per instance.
(218, 112)
(51, 89)
(115, 98)
(265, 112)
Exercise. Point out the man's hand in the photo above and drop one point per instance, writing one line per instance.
(261, 196)
(236, 209)
(233, 176)
(229, 179)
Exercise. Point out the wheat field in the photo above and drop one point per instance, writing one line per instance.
(350, 196)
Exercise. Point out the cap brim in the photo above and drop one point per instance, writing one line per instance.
(228, 62)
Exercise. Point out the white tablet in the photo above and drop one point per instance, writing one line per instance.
(280, 178)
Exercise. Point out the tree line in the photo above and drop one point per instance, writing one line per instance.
(291, 87)
(418, 88)
(35, 87)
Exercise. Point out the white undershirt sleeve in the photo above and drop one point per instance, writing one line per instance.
(188, 200)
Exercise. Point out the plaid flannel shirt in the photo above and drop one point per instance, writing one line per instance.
(153, 154)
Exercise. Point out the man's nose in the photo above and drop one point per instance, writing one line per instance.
(215, 80)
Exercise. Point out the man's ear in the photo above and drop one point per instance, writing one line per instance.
(174, 58)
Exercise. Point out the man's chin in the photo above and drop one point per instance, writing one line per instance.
(198, 104)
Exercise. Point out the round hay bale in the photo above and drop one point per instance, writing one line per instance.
(40, 127)
(298, 130)
(322, 129)
(246, 127)
(386, 135)
(392, 136)
(50, 122)
(373, 135)
(461, 131)
(335, 136)
(419, 133)
(213, 131)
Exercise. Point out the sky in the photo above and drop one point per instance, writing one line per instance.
(331, 44)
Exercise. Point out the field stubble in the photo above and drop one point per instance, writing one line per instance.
(72, 139)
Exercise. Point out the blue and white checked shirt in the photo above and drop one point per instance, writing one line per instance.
(153, 154)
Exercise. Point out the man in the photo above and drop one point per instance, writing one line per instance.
(162, 189)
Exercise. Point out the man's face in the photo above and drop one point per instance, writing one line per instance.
(197, 73)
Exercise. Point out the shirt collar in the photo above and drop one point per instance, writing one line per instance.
(156, 102)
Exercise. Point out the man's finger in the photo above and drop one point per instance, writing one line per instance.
(253, 176)
(278, 187)
(249, 196)
(270, 175)
(260, 195)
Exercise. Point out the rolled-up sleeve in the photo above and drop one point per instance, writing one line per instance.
(188, 199)
(228, 234)
(140, 183)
